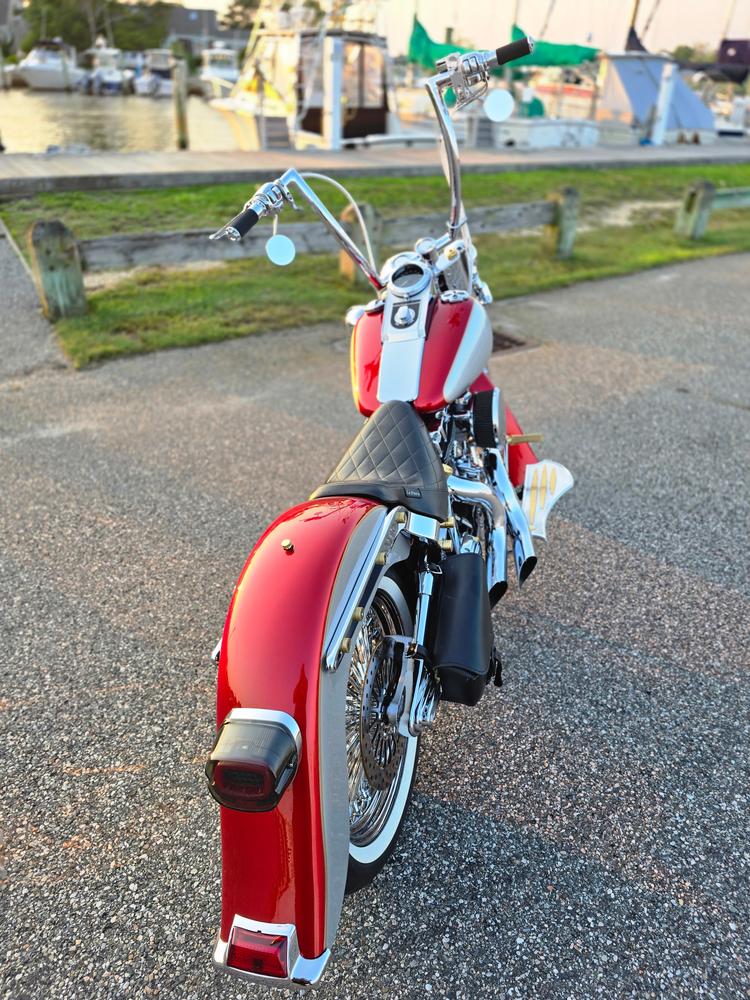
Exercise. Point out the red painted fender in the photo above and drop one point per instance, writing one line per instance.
(288, 866)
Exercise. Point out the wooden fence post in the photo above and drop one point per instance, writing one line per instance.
(695, 211)
(179, 91)
(56, 265)
(347, 268)
(561, 235)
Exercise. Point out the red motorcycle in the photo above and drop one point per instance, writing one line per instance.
(360, 610)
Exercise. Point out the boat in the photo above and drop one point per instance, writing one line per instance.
(156, 78)
(219, 71)
(732, 116)
(106, 75)
(50, 65)
(314, 79)
(565, 92)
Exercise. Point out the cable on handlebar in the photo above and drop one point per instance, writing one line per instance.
(360, 219)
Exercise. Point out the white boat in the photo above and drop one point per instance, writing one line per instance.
(51, 65)
(313, 79)
(156, 78)
(106, 75)
(219, 71)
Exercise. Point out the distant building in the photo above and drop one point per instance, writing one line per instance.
(199, 29)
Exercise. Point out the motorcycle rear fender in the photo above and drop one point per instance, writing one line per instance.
(290, 617)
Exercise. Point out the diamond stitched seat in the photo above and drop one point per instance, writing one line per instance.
(394, 461)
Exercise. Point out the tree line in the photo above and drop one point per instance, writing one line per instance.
(129, 26)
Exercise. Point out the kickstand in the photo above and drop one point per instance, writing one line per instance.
(496, 667)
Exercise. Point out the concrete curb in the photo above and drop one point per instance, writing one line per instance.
(22, 175)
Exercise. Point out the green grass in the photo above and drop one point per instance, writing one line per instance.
(89, 215)
(156, 309)
(159, 309)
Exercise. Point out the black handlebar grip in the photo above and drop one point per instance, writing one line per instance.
(244, 222)
(514, 50)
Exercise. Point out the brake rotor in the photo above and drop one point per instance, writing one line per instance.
(382, 747)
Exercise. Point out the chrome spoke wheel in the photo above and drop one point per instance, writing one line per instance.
(380, 762)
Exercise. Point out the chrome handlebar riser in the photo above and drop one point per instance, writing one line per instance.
(452, 168)
(468, 74)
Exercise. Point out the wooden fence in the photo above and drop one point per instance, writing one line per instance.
(59, 260)
(701, 199)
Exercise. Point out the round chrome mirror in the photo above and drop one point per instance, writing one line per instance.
(498, 105)
(280, 250)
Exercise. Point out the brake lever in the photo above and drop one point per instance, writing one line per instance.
(469, 75)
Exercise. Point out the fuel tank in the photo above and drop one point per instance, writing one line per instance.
(455, 352)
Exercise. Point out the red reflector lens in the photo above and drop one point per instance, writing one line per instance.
(252, 763)
(264, 954)
(243, 785)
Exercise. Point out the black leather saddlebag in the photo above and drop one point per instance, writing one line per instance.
(461, 629)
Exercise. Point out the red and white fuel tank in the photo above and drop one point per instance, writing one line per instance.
(419, 349)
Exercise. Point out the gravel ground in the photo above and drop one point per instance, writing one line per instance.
(582, 833)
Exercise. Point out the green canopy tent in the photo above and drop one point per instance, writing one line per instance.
(425, 52)
(551, 54)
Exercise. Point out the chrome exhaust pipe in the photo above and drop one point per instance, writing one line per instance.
(505, 509)
(518, 525)
(472, 491)
(497, 564)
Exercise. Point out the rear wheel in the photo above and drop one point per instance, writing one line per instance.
(381, 763)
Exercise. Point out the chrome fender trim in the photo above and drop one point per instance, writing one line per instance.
(303, 972)
(377, 542)
(373, 547)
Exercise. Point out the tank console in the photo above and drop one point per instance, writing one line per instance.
(410, 287)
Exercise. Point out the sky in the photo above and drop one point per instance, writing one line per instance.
(604, 23)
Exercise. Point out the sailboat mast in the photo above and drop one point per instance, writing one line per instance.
(634, 16)
(550, 8)
(650, 18)
(730, 15)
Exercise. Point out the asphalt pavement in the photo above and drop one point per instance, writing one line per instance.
(582, 833)
(26, 340)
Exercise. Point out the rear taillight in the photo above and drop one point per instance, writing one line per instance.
(254, 759)
(263, 954)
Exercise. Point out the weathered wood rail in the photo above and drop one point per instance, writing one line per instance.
(116, 253)
(701, 199)
(558, 215)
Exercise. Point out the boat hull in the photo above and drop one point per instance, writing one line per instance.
(50, 78)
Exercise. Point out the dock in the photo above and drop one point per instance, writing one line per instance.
(29, 174)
